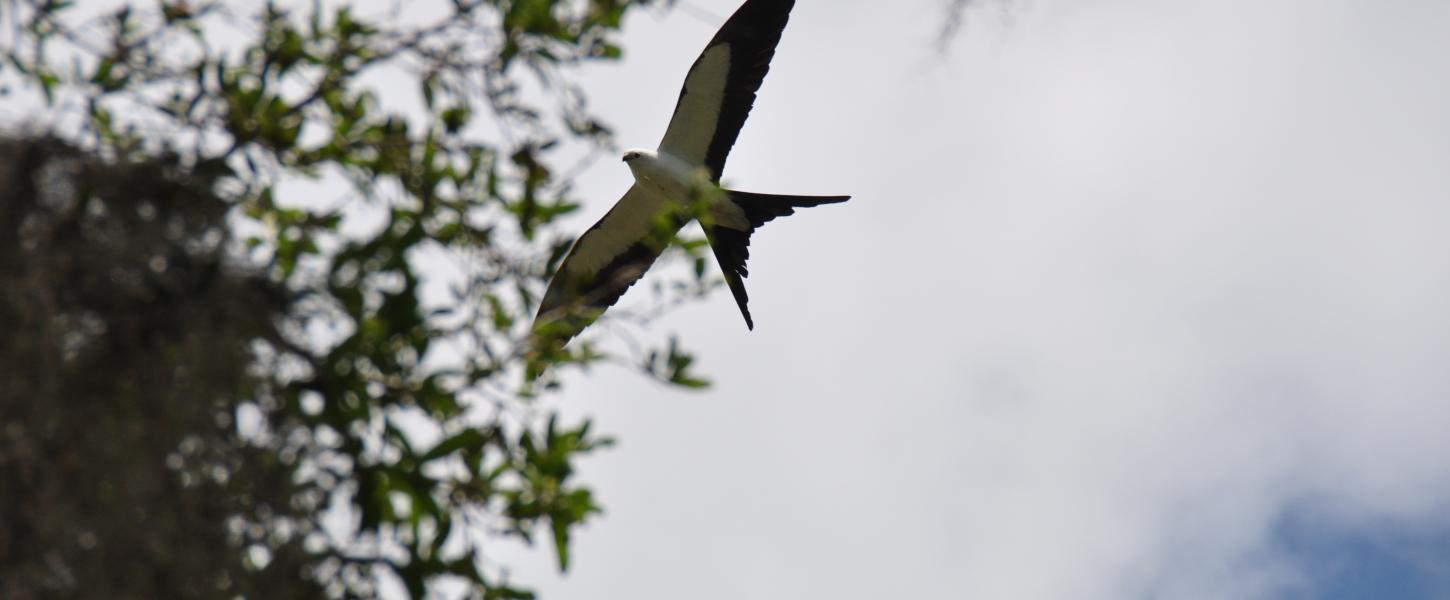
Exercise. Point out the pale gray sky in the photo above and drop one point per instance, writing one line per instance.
(1127, 287)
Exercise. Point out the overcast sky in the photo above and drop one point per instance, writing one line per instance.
(1135, 299)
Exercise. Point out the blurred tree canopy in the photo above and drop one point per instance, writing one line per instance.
(218, 383)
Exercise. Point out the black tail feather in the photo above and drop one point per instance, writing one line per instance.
(732, 246)
(760, 208)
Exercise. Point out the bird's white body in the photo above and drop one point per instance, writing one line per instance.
(663, 178)
(666, 174)
(663, 184)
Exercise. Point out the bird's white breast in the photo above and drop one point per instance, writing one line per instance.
(669, 176)
(678, 181)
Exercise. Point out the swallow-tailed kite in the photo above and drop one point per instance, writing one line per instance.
(717, 96)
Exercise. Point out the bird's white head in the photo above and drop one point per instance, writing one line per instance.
(636, 154)
(642, 163)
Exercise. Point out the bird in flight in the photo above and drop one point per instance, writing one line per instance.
(680, 181)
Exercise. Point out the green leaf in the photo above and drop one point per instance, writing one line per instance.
(471, 439)
(561, 543)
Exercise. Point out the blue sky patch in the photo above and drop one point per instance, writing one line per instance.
(1366, 562)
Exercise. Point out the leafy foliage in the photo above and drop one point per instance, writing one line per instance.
(365, 382)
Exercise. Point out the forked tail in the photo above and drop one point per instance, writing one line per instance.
(732, 246)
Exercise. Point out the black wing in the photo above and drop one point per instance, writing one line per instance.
(720, 88)
(603, 263)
